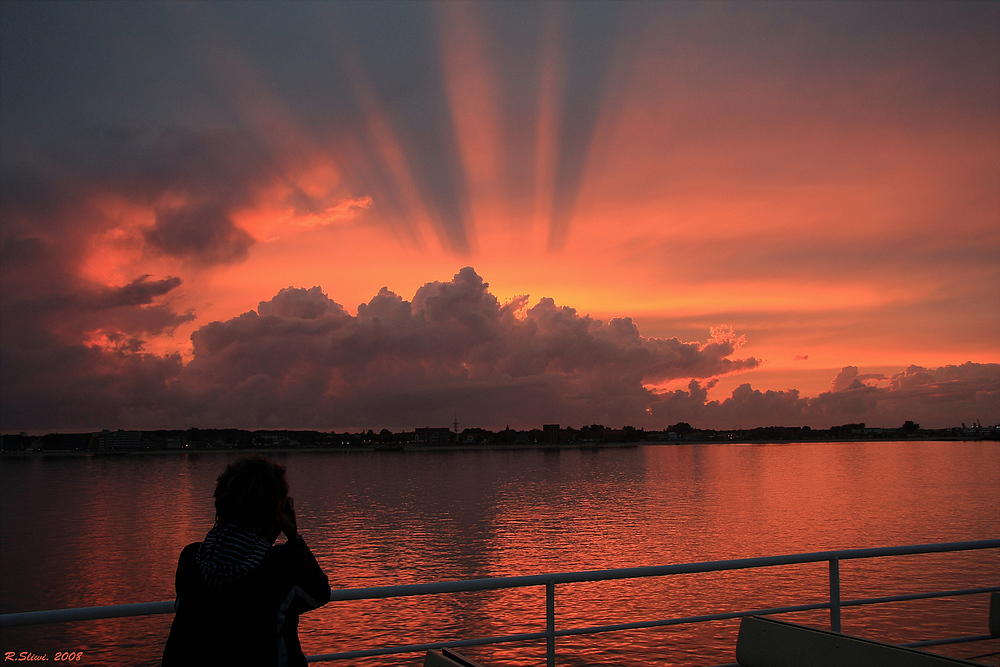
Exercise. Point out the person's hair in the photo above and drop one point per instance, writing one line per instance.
(250, 490)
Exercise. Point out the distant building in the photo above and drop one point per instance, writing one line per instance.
(112, 441)
(432, 436)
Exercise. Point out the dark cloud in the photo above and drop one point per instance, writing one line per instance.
(204, 233)
(68, 344)
(302, 361)
(329, 69)
(60, 386)
(212, 165)
(935, 398)
(189, 112)
(453, 348)
(850, 378)
(76, 360)
(21, 251)
(303, 304)
(341, 69)
(45, 221)
(54, 200)
(747, 404)
(331, 65)
(139, 292)
(75, 314)
(72, 349)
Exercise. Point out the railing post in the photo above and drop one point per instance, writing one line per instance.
(835, 594)
(550, 623)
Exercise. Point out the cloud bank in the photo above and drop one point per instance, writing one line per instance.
(301, 360)
(935, 398)
(164, 165)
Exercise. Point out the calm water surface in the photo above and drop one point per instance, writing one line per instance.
(81, 531)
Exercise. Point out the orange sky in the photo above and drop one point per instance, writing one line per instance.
(822, 179)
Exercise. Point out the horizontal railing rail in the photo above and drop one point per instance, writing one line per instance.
(550, 581)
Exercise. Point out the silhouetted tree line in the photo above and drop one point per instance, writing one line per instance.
(195, 439)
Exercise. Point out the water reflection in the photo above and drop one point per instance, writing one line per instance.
(81, 531)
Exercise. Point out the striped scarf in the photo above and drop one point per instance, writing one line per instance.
(230, 551)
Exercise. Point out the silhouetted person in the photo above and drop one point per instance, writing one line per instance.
(239, 596)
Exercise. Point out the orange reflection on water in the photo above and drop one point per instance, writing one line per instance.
(110, 529)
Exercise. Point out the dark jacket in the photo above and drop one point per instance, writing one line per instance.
(251, 620)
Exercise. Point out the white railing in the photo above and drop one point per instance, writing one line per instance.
(549, 581)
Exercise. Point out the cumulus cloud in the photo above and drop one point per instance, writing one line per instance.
(453, 348)
(850, 378)
(746, 406)
(301, 360)
(935, 398)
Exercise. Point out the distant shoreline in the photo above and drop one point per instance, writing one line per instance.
(459, 447)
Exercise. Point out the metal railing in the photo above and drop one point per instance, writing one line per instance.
(549, 581)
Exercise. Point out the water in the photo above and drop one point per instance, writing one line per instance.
(81, 531)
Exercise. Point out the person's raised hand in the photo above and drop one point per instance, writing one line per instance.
(286, 520)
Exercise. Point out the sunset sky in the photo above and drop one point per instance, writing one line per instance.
(346, 215)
